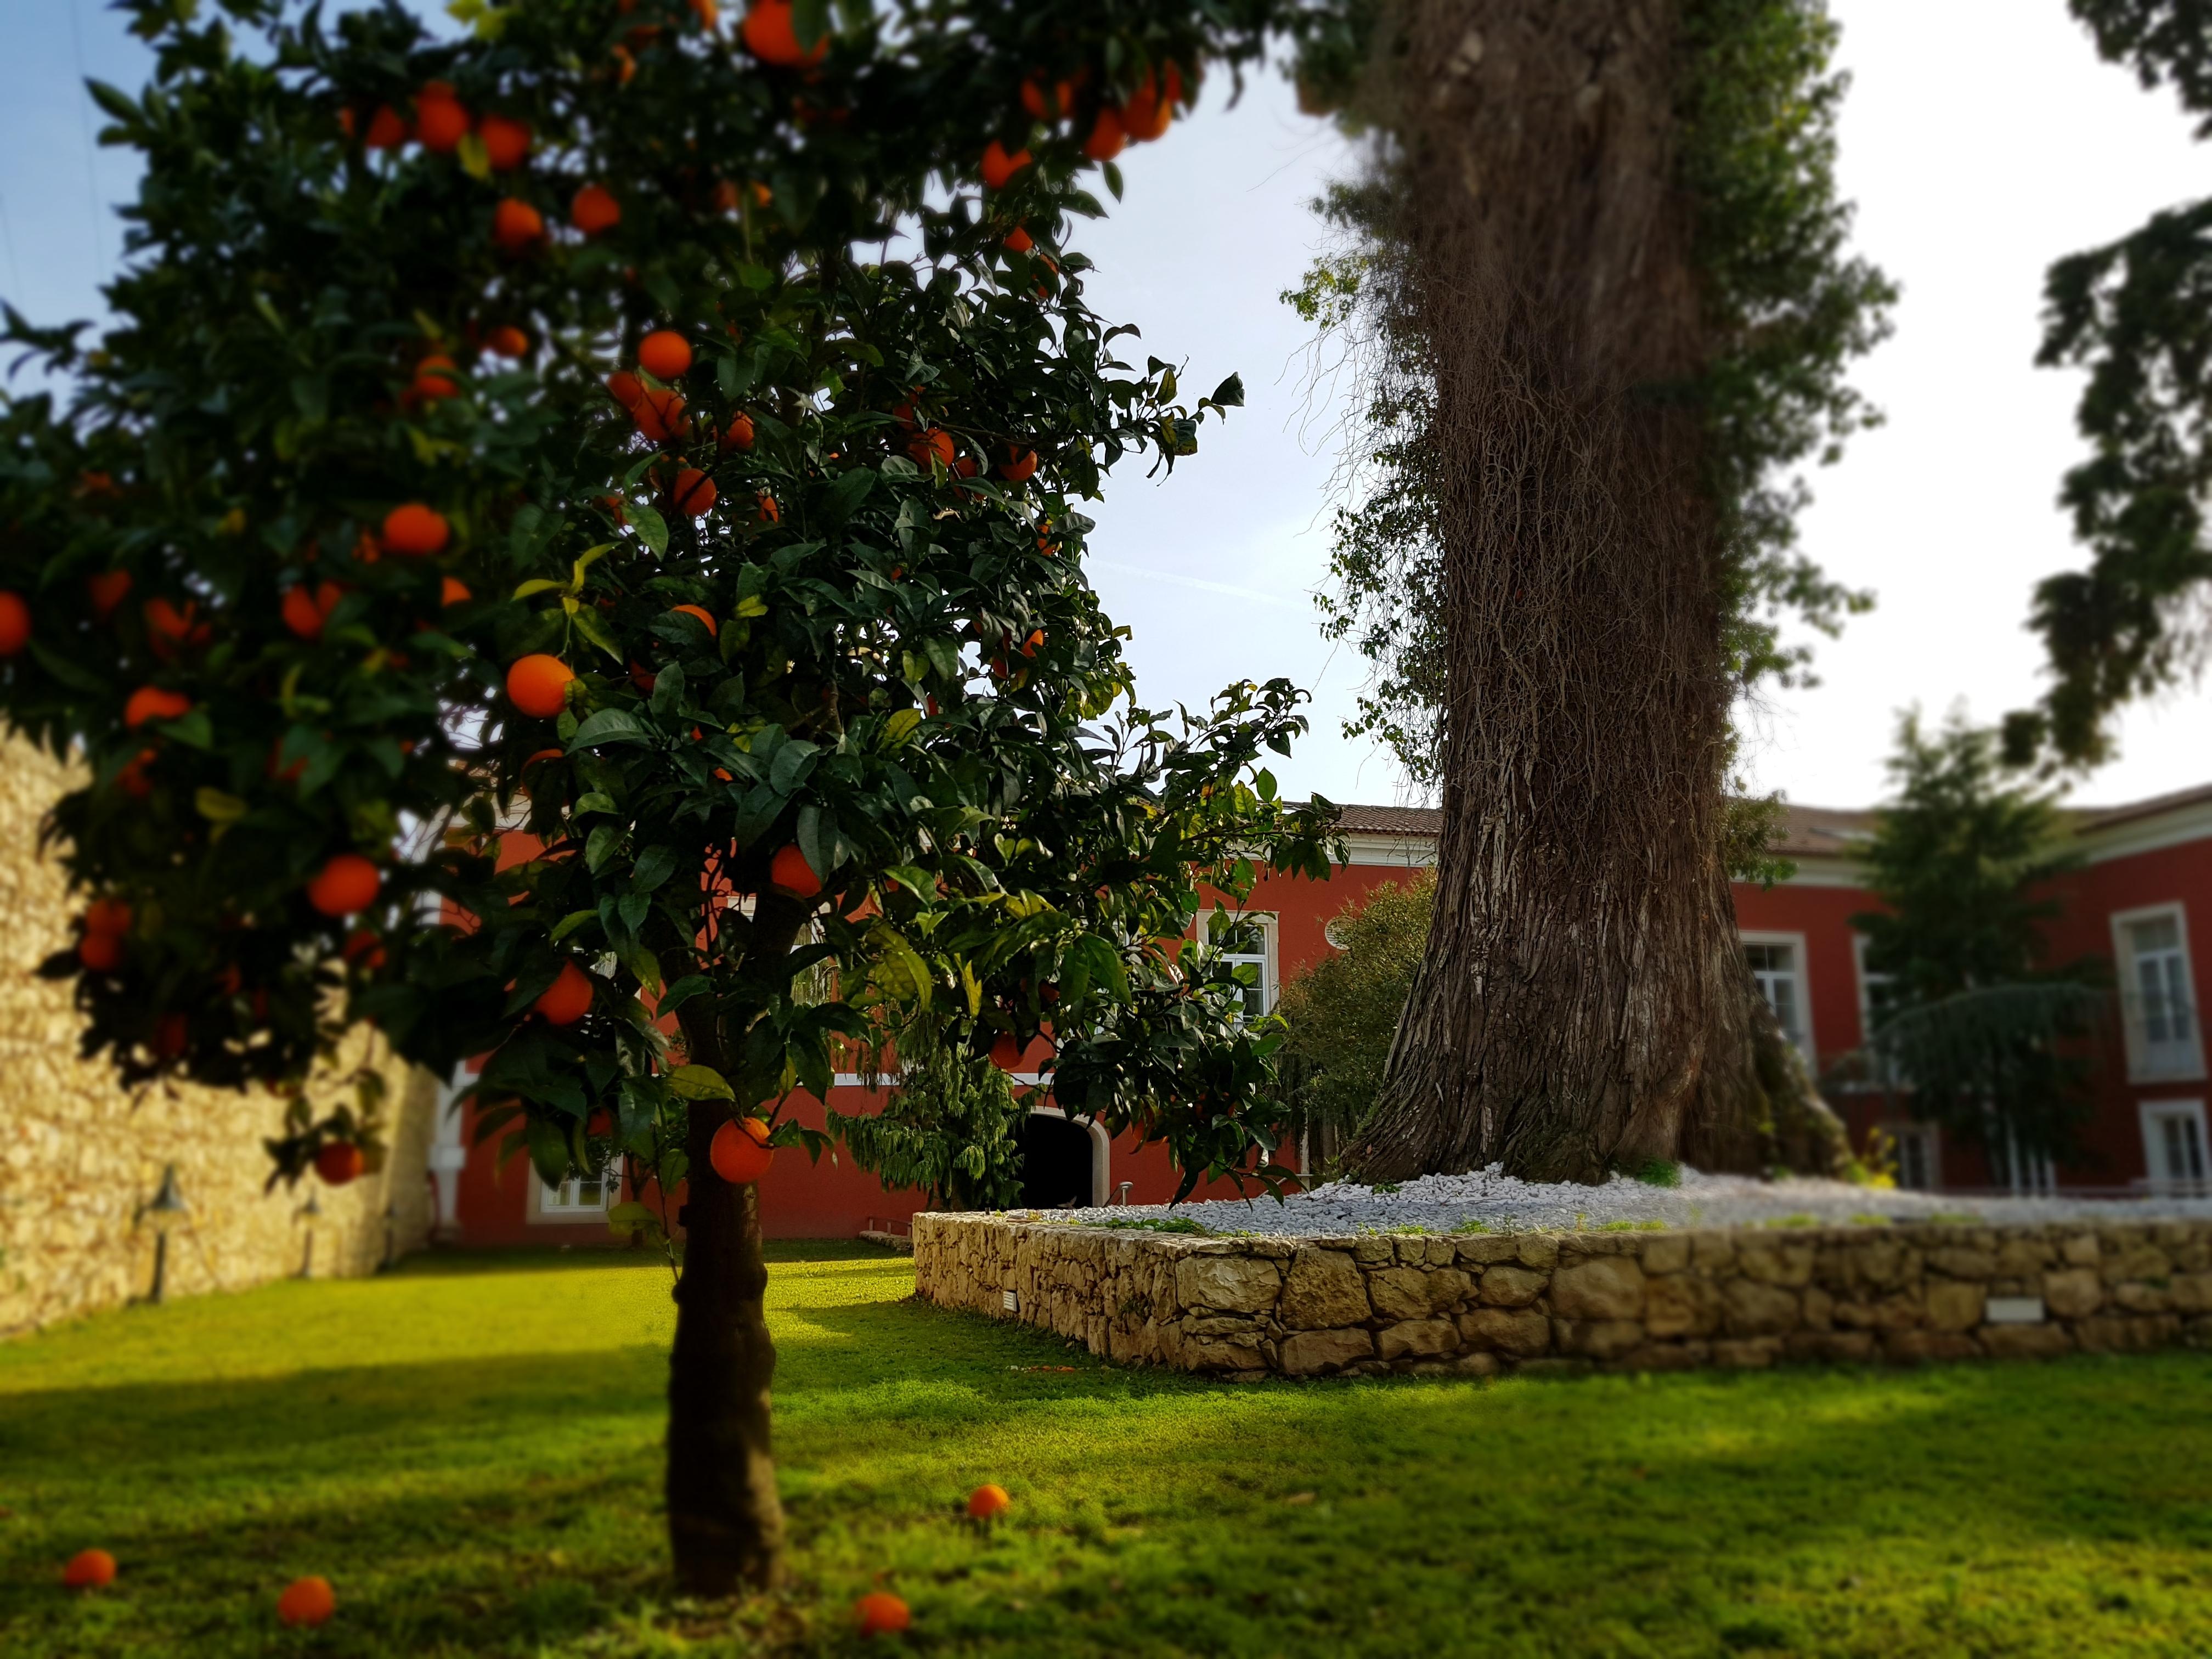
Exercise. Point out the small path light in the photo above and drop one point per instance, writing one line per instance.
(167, 1209)
(310, 1213)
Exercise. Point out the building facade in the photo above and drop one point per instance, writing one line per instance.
(2141, 899)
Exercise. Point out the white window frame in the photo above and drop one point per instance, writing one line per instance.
(2152, 1114)
(1928, 1138)
(1803, 975)
(2142, 1066)
(551, 1206)
(1264, 958)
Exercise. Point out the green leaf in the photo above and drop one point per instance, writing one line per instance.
(611, 725)
(586, 620)
(569, 923)
(655, 865)
(475, 159)
(651, 527)
(217, 807)
(1229, 394)
(699, 1083)
(846, 496)
(901, 727)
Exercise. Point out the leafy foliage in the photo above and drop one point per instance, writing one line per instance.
(1987, 1036)
(951, 1126)
(1786, 310)
(1341, 1011)
(819, 589)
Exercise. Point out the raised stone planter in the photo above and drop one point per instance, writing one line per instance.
(1248, 1308)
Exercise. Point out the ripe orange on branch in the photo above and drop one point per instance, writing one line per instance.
(738, 435)
(934, 442)
(346, 883)
(338, 1162)
(506, 140)
(739, 1150)
(706, 616)
(664, 354)
(152, 702)
(770, 36)
(999, 168)
(14, 622)
(1108, 136)
(416, 530)
(516, 226)
(107, 590)
(440, 123)
(788, 872)
(100, 953)
(593, 208)
(567, 999)
(537, 685)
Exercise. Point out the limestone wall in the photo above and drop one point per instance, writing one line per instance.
(1252, 1307)
(79, 1156)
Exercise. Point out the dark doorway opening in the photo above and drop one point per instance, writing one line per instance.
(1056, 1162)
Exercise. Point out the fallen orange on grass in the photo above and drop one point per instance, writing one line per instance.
(88, 1570)
(307, 1601)
(987, 1502)
(880, 1613)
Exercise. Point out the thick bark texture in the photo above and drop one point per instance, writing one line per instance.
(1583, 1003)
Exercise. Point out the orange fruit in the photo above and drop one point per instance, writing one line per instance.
(788, 872)
(593, 209)
(537, 685)
(440, 123)
(567, 999)
(1148, 110)
(768, 511)
(131, 777)
(738, 435)
(300, 615)
(659, 414)
(1030, 645)
(1006, 1052)
(107, 590)
(387, 129)
(932, 442)
(768, 35)
(338, 1162)
(1019, 465)
(708, 13)
(107, 915)
(88, 1570)
(1018, 240)
(151, 703)
(416, 530)
(508, 341)
(987, 1502)
(880, 1613)
(999, 167)
(14, 622)
(307, 1601)
(434, 379)
(168, 627)
(516, 226)
(706, 618)
(1107, 136)
(365, 949)
(1044, 105)
(664, 354)
(100, 953)
(737, 1152)
(625, 388)
(346, 883)
(506, 140)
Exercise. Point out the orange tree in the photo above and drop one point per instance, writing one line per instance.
(532, 429)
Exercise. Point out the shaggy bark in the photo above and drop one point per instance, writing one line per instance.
(1583, 1003)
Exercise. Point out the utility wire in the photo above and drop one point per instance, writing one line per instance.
(84, 119)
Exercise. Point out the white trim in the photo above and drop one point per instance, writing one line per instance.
(2147, 1113)
(1393, 852)
(1101, 1152)
(449, 1152)
(572, 1215)
(1803, 973)
(1930, 1137)
(2175, 826)
(1268, 923)
(1820, 870)
(2192, 1069)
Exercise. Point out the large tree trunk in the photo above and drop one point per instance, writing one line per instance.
(1582, 1005)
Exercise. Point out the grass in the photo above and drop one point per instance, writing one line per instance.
(468, 1448)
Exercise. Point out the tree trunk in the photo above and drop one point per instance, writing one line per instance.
(725, 1521)
(1583, 1004)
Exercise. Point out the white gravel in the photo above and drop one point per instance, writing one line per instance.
(1491, 1200)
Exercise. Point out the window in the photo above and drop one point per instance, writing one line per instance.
(2026, 1174)
(2155, 994)
(1877, 991)
(580, 1198)
(1919, 1156)
(1777, 962)
(1250, 942)
(2174, 1145)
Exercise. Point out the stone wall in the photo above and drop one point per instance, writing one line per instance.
(79, 1156)
(1625, 1301)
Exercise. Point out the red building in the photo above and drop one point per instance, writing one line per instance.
(2146, 873)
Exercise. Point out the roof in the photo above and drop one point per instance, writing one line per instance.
(1806, 831)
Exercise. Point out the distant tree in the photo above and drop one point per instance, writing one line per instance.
(1987, 1037)
(1341, 1012)
(951, 1126)
(2137, 314)
(1596, 278)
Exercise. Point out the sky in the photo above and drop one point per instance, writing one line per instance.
(1981, 140)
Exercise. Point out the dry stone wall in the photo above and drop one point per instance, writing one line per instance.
(80, 1157)
(1248, 1308)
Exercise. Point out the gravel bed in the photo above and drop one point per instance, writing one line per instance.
(1492, 1200)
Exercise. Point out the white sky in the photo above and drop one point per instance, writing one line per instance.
(1982, 139)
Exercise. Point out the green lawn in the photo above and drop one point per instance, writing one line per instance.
(467, 1449)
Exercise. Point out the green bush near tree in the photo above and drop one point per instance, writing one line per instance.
(1342, 1010)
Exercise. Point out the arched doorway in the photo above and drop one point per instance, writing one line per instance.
(1057, 1168)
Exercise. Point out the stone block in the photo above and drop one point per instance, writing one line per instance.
(1679, 1305)
(1751, 1308)
(1477, 1365)
(1232, 1283)
(1313, 1354)
(2120, 1334)
(1765, 1262)
(1399, 1292)
(1962, 1262)
(2021, 1256)
(1481, 1250)
(1509, 1330)
(1512, 1287)
(1952, 1306)
(1203, 1356)
(1324, 1288)
(2191, 1293)
(1749, 1354)
(1665, 1252)
(2142, 1261)
(1371, 1252)
(1419, 1338)
(2082, 1251)
(1597, 1339)
(1667, 1357)
(1605, 1288)
(1906, 1347)
(1830, 1347)
(2135, 1296)
(1537, 1250)
(2071, 1292)
(2025, 1341)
